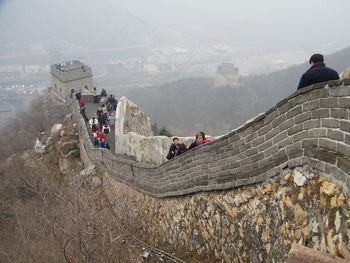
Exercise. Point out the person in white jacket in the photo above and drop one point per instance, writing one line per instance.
(106, 129)
(93, 122)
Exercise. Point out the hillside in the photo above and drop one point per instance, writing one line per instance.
(189, 105)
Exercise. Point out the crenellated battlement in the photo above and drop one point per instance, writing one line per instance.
(70, 75)
(70, 71)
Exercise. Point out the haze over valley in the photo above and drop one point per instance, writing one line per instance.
(131, 45)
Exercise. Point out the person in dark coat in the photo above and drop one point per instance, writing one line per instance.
(317, 73)
(83, 112)
(181, 149)
(173, 148)
(198, 141)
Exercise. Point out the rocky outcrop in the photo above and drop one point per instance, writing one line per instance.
(134, 136)
(258, 223)
(130, 118)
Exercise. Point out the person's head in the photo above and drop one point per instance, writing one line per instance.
(182, 148)
(203, 135)
(175, 140)
(315, 59)
(94, 88)
(199, 137)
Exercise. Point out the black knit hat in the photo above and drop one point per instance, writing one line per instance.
(316, 58)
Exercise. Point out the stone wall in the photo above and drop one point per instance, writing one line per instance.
(310, 127)
(257, 223)
(281, 178)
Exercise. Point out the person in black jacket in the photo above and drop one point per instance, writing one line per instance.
(318, 72)
(173, 148)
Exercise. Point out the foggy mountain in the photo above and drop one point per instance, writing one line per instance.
(53, 26)
(187, 106)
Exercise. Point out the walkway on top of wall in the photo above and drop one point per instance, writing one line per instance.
(91, 109)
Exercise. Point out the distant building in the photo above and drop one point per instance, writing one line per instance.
(227, 75)
(71, 75)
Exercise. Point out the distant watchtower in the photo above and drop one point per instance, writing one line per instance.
(70, 75)
(227, 75)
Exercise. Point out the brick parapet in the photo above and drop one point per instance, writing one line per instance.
(310, 127)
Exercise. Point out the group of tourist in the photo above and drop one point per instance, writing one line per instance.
(177, 148)
(99, 124)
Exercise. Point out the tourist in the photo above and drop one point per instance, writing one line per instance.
(78, 95)
(106, 129)
(101, 135)
(72, 93)
(204, 139)
(198, 141)
(83, 112)
(317, 73)
(93, 122)
(81, 102)
(103, 96)
(102, 143)
(173, 148)
(94, 94)
(181, 149)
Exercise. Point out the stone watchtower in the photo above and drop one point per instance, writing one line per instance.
(71, 75)
(227, 75)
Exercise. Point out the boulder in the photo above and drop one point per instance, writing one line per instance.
(39, 147)
(130, 118)
(56, 128)
(299, 178)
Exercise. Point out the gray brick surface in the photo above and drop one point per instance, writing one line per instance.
(328, 144)
(344, 102)
(344, 125)
(311, 105)
(294, 112)
(320, 132)
(330, 123)
(335, 135)
(320, 113)
(300, 136)
(280, 137)
(339, 113)
(343, 149)
(340, 91)
(329, 103)
(258, 141)
(310, 124)
(295, 129)
(287, 124)
(280, 119)
(271, 134)
(285, 142)
(264, 130)
(302, 117)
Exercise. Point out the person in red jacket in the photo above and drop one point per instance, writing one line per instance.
(101, 135)
(81, 102)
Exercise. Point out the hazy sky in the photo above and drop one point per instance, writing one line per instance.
(269, 23)
(253, 22)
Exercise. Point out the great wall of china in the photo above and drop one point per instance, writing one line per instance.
(281, 178)
(310, 127)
